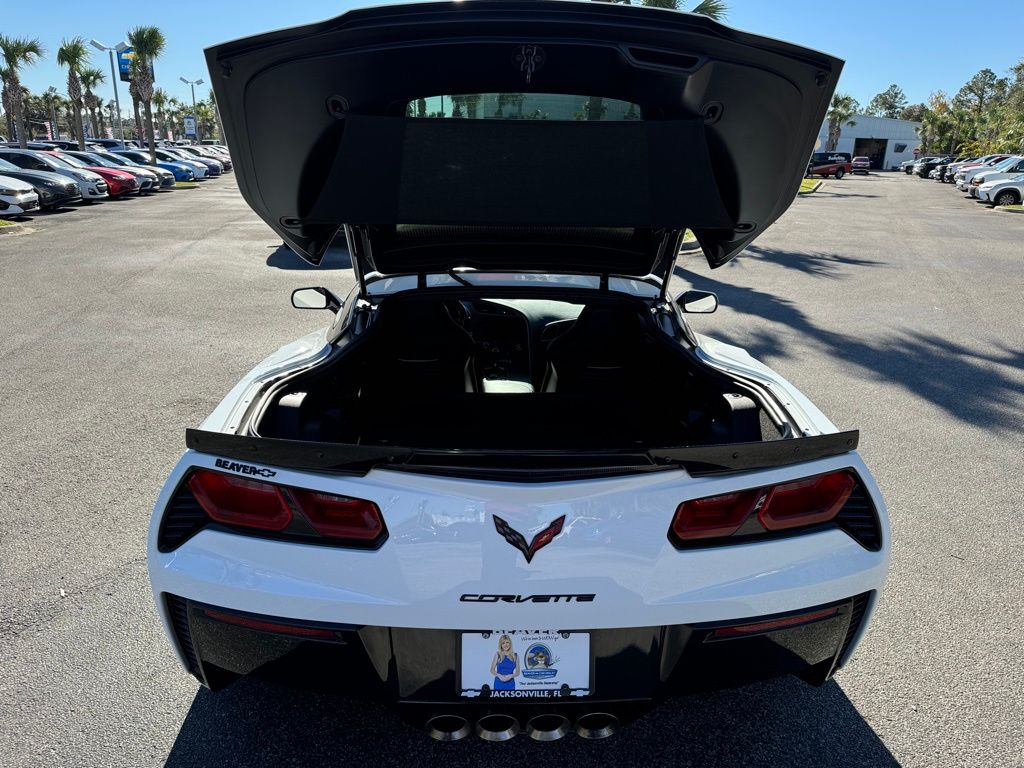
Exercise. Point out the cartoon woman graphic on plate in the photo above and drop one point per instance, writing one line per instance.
(505, 665)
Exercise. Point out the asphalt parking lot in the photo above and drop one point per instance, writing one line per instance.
(893, 303)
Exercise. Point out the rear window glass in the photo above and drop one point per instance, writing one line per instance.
(523, 106)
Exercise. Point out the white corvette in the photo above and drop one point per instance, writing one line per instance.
(509, 488)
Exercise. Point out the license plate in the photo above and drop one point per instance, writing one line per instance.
(525, 664)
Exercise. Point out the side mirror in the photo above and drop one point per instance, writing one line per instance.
(697, 302)
(315, 298)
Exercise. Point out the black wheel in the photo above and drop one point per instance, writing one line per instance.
(839, 173)
(1007, 197)
(907, 170)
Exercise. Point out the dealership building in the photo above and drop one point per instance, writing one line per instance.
(887, 142)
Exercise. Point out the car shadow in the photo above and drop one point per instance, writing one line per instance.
(283, 257)
(969, 384)
(780, 723)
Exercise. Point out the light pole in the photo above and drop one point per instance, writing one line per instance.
(193, 84)
(120, 47)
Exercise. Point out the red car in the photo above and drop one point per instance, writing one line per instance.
(119, 183)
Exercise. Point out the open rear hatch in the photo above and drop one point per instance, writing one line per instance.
(322, 122)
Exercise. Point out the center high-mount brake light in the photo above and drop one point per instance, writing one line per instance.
(796, 504)
(238, 501)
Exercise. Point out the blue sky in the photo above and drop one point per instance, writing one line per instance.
(882, 42)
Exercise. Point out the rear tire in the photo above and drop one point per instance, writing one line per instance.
(839, 173)
(1007, 197)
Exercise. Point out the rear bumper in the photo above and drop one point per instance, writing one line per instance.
(421, 667)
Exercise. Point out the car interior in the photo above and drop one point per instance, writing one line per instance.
(513, 374)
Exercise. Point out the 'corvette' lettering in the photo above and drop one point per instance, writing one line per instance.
(245, 469)
(527, 598)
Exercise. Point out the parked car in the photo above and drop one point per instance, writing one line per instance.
(17, 197)
(119, 183)
(213, 167)
(147, 182)
(205, 153)
(966, 174)
(1003, 191)
(861, 164)
(939, 171)
(907, 166)
(1010, 168)
(654, 511)
(199, 170)
(925, 166)
(165, 178)
(54, 190)
(181, 171)
(90, 184)
(830, 164)
(116, 144)
(36, 145)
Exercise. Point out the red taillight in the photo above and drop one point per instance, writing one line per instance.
(340, 517)
(806, 502)
(238, 501)
(270, 626)
(800, 503)
(771, 625)
(714, 516)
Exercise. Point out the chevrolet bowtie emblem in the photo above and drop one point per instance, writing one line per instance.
(517, 540)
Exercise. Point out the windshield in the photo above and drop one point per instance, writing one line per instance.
(96, 159)
(73, 161)
(5, 166)
(54, 162)
(522, 106)
(1007, 164)
(112, 159)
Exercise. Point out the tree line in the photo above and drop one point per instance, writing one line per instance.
(155, 113)
(985, 116)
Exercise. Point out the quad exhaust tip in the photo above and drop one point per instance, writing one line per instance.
(448, 727)
(547, 727)
(497, 727)
(596, 725)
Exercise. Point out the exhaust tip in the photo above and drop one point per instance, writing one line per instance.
(447, 727)
(497, 727)
(547, 727)
(596, 725)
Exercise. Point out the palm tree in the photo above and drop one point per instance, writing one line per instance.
(6, 103)
(90, 79)
(100, 106)
(174, 108)
(220, 123)
(840, 113)
(147, 44)
(52, 102)
(595, 109)
(133, 90)
(74, 54)
(18, 52)
(160, 99)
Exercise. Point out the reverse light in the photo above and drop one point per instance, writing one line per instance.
(714, 516)
(340, 517)
(240, 501)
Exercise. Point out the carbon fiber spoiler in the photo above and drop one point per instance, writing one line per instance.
(360, 459)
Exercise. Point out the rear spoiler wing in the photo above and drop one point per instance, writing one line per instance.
(360, 459)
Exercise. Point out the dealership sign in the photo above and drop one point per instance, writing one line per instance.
(190, 126)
